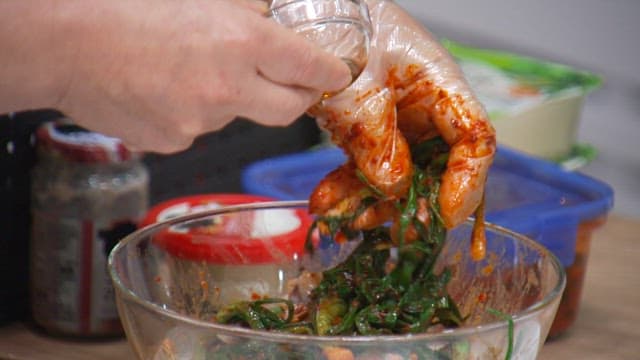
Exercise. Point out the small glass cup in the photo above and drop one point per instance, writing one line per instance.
(341, 27)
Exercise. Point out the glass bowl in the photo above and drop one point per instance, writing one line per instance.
(167, 294)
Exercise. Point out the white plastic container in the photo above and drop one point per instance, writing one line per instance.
(535, 106)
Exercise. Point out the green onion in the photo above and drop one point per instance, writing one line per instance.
(510, 330)
(370, 293)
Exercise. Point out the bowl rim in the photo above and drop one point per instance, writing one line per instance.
(273, 336)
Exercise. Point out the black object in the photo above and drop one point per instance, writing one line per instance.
(17, 156)
(215, 161)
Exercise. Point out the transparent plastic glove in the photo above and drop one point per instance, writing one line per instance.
(411, 90)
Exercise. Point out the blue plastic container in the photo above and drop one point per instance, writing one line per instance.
(525, 194)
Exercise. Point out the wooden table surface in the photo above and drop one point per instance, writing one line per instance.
(608, 325)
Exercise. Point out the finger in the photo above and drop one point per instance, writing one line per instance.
(260, 6)
(292, 60)
(276, 104)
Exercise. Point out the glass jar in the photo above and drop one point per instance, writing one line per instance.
(88, 191)
(340, 27)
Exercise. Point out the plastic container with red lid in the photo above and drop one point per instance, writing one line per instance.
(228, 248)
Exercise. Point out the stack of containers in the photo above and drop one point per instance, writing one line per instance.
(558, 208)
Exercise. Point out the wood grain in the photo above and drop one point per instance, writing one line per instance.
(20, 342)
(608, 324)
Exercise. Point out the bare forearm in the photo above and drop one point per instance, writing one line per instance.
(34, 52)
(158, 73)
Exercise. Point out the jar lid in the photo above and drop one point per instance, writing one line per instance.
(81, 145)
(248, 237)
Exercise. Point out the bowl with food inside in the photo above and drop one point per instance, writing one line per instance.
(388, 258)
(267, 281)
(350, 273)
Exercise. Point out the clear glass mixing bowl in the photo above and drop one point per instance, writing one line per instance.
(167, 294)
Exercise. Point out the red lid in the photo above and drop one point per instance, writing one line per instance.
(253, 237)
(80, 145)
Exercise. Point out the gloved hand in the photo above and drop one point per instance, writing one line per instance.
(410, 90)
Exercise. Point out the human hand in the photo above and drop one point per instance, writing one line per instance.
(159, 73)
(411, 90)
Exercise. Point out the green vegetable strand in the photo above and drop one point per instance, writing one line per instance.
(388, 285)
(510, 330)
